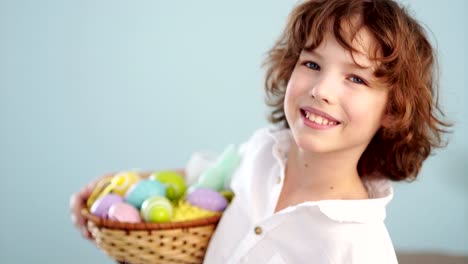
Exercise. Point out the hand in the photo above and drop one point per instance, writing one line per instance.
(78, 201)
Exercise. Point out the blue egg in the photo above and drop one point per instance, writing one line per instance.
(142, 190)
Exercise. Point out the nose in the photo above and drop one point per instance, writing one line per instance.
(324, 88)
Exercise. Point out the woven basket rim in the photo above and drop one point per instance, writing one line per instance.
(102, 222)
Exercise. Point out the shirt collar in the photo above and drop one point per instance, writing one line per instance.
(282, 141)
(362, 211)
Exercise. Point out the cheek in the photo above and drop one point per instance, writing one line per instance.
(289, 101)
(297, 86)
(290, 93)
(366, 112)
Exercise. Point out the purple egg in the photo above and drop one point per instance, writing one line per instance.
(207, 199)
(101, 206)
(124, 212)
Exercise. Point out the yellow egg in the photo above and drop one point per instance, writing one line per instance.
(122, 181)
(118, 184)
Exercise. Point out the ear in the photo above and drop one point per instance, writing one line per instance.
(387, 118)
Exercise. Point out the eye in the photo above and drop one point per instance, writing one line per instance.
(358, 80)
(312, 65)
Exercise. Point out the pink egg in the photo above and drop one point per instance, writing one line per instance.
(207, 199)
(124, 212)
(101, 206)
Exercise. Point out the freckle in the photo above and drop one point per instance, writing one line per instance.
(306, 165)
(331, 187)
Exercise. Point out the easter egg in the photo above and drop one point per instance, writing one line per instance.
(142, 190)
(198, 163)
(175, 183)
(219, 174)
(156, 209)
(123, 181)
(207, 199)
(101, 189)
(101, 206)
(124, 212)
(212, 178)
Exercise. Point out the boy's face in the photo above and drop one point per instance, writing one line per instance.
(331, 104)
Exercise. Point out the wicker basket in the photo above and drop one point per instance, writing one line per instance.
(151, 243)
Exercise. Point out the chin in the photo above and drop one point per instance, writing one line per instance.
(311, 144)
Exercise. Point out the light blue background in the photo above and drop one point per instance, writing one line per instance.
(90, 87)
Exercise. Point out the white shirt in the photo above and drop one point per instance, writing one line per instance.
(327, 231)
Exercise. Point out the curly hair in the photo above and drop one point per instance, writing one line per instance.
(413, 123)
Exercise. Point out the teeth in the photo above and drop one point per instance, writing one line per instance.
(319, 120)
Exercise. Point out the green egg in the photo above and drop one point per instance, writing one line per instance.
(157, 209)
(175, 183)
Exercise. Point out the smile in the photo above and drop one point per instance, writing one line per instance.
(316, 120)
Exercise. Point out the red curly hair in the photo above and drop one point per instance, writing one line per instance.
(407, 66)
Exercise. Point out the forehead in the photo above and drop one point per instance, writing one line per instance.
(356, 41)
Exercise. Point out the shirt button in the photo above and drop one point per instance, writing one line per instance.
(278, 179)
(258, 230)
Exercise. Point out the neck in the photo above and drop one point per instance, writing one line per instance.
(325, 175)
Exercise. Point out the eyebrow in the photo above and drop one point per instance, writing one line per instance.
(312, 52)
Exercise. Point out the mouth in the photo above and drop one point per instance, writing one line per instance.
(318, 119)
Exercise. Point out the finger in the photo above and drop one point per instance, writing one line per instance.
(85, 232)
(74, 219)
(75, 204)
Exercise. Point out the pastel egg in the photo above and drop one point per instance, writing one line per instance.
(123, 181)
(157, 209)
(101, 206)
(174, 182)
(124, 212)
(198, 163)
(142, 190)
(207, 199)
